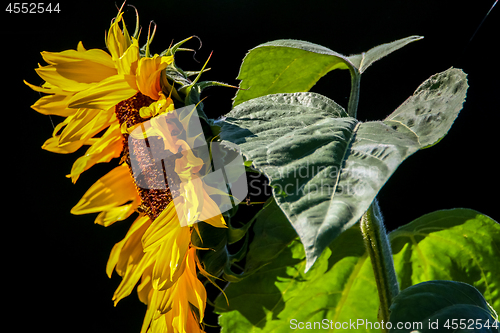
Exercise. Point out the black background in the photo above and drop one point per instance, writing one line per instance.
(54, 262)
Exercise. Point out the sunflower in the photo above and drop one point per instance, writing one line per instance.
(105, 97)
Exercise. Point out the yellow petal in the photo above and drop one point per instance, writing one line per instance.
(47, 88)
(145, 288)
(106, 93)
(131, 251)
(80, 47)
(150, 312)
(127, 63)
(85, 124)
(112, 190)
(210, 212)
(160, 228)
(180, 314)
(54, 105)
(148, 75)
(53, 145)
(173, 241)
(190, 209)
(56, 145)
(131, 277)
(78, 130)
(113, 215)
(192, 325)
(162, 105)
(118, 41)
(103, 150)
(169, 264)
(137, 228)
(188, 165)
(168, 130)
(84, 57)
(187, 291)
(196, 293)
(74, 71)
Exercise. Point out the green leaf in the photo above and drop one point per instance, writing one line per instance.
(285, 66)
(279, 291)
(432, 109)
(364, 60)
(442, 306)
(288, 66)
(456, 244)
(341, 285)
(270, 238)
(326, 168)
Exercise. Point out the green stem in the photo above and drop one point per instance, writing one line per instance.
(378, 247)
(352, 107)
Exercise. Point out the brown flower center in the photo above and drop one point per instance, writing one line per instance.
(151, 182)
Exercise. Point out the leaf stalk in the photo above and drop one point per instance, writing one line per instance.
(378, 247)
(352, 107)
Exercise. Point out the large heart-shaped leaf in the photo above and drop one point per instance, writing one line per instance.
(457, 244)
(288, 66)
(279, 292)
(443, 306)
(326, 168)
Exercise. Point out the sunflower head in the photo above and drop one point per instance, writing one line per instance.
(104, 96)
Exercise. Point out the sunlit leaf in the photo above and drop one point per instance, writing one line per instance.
(326, 168)
(288, 66)
(341, 286)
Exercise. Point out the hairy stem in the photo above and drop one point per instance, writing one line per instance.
(378, 247)
(352, 107)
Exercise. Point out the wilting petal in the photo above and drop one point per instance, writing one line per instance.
(189, 165)
(190, 208)
(165, 127)
(211, 213)
(193, 288)
(127, 63)
(118, 41)
(148, 74)
(162, 105)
